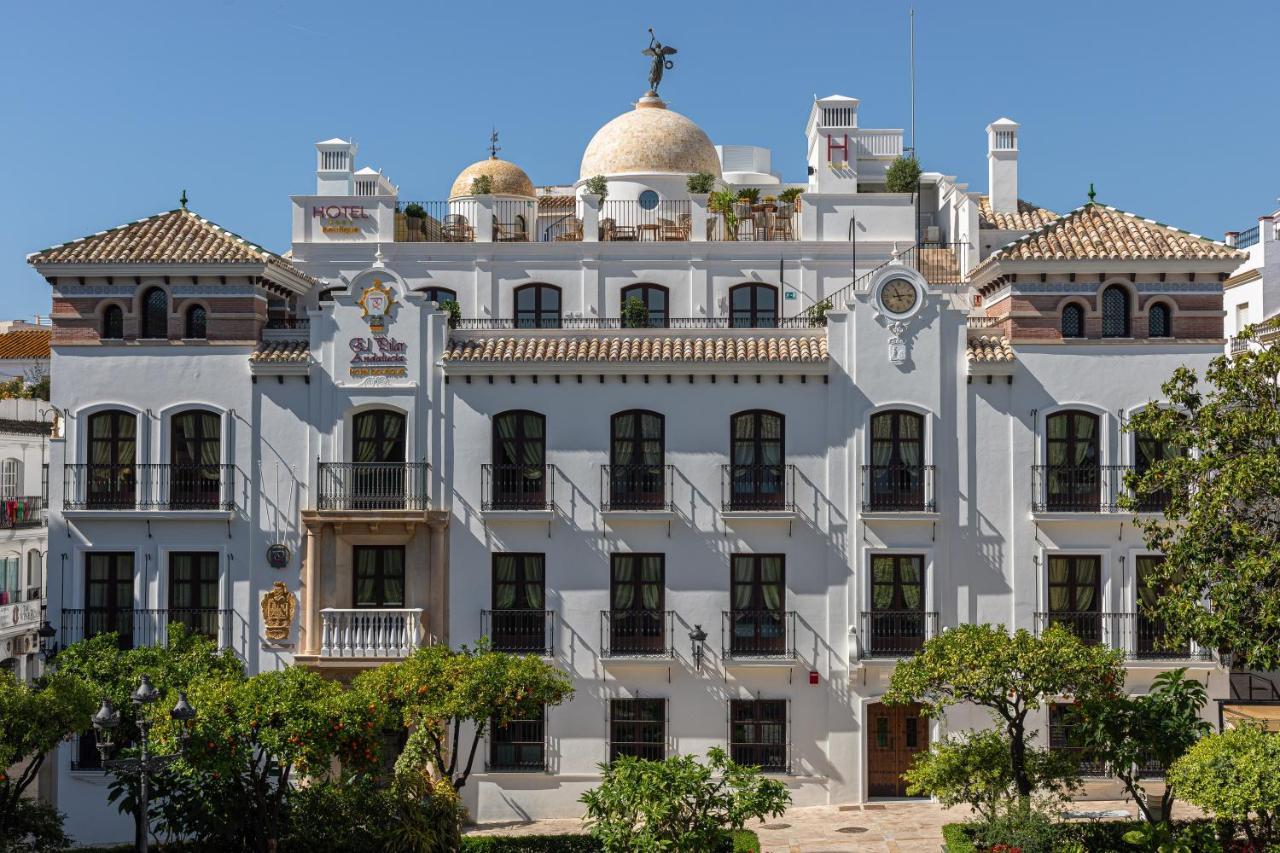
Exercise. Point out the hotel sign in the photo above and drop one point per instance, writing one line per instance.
(340, 218)
(379, 355)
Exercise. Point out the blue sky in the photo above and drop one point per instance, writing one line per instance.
(111, 109)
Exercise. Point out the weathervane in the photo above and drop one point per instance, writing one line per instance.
(659, 52)
(494, 148)
(183, 200)
(1092, 194)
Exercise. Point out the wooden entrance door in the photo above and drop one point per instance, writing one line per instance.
(895, 733)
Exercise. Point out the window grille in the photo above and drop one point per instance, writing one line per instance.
(1158, 325)
(1115, 312)
(1072, 321)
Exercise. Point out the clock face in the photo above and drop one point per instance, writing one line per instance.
(898, 296)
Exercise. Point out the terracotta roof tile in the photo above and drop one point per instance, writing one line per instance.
(1027, 218)
(1099, 233)
(174, 237)
(25, 343)
(809, 349)
(988, 349)
(282, 352)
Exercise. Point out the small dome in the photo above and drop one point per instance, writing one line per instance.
(650, 139)
(507, 178)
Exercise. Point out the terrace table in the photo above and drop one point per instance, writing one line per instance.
(648, 231)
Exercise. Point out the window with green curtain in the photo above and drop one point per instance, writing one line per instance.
(518, 581)
(637, 582)
(758, 582)
(897, 582)
(1074, 583)
(379, 575)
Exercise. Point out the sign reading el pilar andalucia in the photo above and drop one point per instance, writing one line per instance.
(379, 354)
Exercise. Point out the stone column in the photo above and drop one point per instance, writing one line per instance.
(310, 633)
(698, 217)
(589, 204)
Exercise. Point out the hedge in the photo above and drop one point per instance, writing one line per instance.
(1097, 836)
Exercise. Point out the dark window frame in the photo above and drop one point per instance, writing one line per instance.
(637, 628)
(1117, 317)
(154, 314)
(638, 728)
(118, 585)
(897, 483)
(187, 596)
(196, 323)
(637, 483)
(433, 294)
(766, 488)
(754, 316)
(112, 328)
(1164, 328)
(528, 754)
(381, 574)
(112, 483)
(757, 717)
(1073, 485)
(518, 480)
(1071, 323)
(387, 446)
(658, 318)
(540, 316)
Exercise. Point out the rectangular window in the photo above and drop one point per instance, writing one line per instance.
(636, 598)
(1075, 595)
(638, 727)
(1151, 632)
(897, 617)
(1064, 736)
(379, 575)
(519, 616)
(758, 733)
(758, 595)
(10, 586)
(108, 596)
(520, 745)
(193, 591)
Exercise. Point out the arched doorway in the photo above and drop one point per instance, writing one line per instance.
(895, 733)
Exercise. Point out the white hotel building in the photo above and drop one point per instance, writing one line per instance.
(818, 495)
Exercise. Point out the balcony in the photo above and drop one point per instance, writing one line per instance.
(517, 488)
(1138, 636)
(1085, 489)
(370, 633)
(19, 512)
(144, 628)
(636, 488)
(894, 634)
(758, 635)
(523, 632)
(89, 486)
(637, 634)
(758, 488)
(898, 488)
(372, 486)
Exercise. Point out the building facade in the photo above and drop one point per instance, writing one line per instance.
(724, 464)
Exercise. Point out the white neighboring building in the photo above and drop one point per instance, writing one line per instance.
(817, 494)
(1253, 291)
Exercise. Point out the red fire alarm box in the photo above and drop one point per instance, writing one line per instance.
(813, 677)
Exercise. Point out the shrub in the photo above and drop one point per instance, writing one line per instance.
(740, 841)
(597, 185)
(678, 804)
(1234, 775)
(415, 210)
(1027, 829)
(903, 175)
(454, 310)
(635, 314)
(701, 183)
(482, 185)
(750, 194)
(35, 827)
(790, 194)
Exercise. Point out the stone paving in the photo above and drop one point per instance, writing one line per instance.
(905, 826)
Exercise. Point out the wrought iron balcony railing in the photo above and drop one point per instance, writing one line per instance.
(758, 634)
(372, 486)
(758, 488)
(526, 632)
(149, 487)
(636, 487)
(17, 512)
(517, 487)
(1136, 634)
(637, 633)
(898, 488)
(136, 628)
(895, 633)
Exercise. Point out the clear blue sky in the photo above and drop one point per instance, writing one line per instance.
(111, 109)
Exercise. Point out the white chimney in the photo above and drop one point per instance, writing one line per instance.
(335, 167)
(1002, 165)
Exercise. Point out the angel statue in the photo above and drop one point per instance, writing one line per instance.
(659, 52)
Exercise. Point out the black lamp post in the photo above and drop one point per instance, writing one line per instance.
(698, 638)
(105, 723)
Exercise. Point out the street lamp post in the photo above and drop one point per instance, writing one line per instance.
(105, 723)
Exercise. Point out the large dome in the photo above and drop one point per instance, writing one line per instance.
(507, 179)
(650, 139)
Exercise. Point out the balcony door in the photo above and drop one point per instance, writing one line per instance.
(537, 306)
(897, 461)
(519, 460)
(108, 596)
(378, 575)
(193, 591)
(112, 452)
(758, 595)
(1075, 595)
(655, 298)
(378, 451)
(195, 456)
(757, 469)
(637, 474)
(1073, 477)
(1148, 452)
(753, 306)
(897, 603)
(637, 591)
(1151, 630)
(519, 603)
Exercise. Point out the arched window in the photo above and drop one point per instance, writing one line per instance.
(537, 306)
(753, 306)
(195, 456)
(327, 295)
(155, 314)
(519, 471)
(1115, 312)
(439, 295)
(112, 323)
(379, 452)
(1072, 321)
(110, 474)
(655, 299)
(1071, 474)
(196, 326)
(757, 455)
(10, 478)
(896, 474)
(637, 473)
(1158, 321)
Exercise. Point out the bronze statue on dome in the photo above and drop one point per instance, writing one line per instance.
(659, 52)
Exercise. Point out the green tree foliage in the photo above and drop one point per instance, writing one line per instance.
(903, 175)
(1010, 675)
(1219, 584)
(33, 720)
(974, 769)
(436, 693)
(790, 194)
(1126, 732)
(1235, 776)
(679, 804)
(701, 183)
(635, 314)
(482, 185)
(597, 185)
(361, 814)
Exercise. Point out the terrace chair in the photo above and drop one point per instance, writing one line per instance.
(457, 229)
(572, 230)
(742, 212)
(510, 232)
(782, 223)
(669, 230)
(610, 230)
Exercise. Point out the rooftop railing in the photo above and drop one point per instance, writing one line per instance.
(1248, 237)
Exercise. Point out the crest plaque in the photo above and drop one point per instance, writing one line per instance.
(278, 609)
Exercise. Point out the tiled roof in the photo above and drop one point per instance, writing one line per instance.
(990, 349)
(557, 202)
(173, 237)
(25, 343)
(1099, 233)
(1027, 218)
(282, 352)
(654, 350)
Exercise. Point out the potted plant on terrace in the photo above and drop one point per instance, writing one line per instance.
(791, 195)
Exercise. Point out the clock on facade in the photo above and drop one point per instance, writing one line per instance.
(898, 296)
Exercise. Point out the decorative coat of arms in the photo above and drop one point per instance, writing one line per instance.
(897, 346)
(376, 302)
(278, 609)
